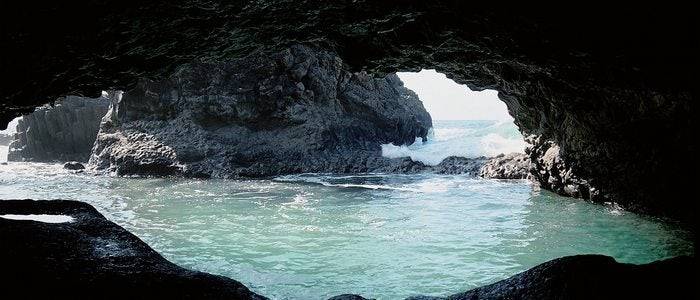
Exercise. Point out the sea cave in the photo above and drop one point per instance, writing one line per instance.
(347, 150)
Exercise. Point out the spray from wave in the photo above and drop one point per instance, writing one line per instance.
(468, 138)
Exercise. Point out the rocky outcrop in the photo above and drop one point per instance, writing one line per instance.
(591, 277)
(295, 111)
(554, 173)
(92, 257)
(507, 166)
(63, 132)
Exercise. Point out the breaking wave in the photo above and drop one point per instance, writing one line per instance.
(469, 138)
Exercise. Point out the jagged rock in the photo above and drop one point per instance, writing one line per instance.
(553, 173)
(507, 166)
(64, 132)
(591, 277)
(92, 257)
(295, 111)
(73, 165)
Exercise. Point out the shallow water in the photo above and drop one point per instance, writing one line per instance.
(383, 236)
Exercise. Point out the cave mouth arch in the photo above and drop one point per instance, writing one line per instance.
(466, 123)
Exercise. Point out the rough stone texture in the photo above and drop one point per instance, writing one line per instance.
(614, 87)
(295, 111)
(507, 166)
(92, 257)
(592, 277)
(64, 132)
(553, 173)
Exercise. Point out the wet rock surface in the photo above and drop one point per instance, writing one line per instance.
(296, 111)
(552, 172)
(73, 165)
(591, 277)
(64, 132)
(507, 166)
(93, 257)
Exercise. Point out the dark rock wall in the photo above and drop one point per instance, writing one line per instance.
(64, 132)
(295, 111)
(614, 87)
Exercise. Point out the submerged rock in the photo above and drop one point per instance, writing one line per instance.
(91, 257)
(73, 165)
(64, 132)
(592, 277)
(295, 111)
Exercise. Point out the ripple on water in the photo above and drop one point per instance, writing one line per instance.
(383, 236)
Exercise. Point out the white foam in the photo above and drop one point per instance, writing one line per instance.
(41, 218)
(464, 139)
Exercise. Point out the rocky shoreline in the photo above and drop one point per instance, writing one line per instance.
(93, 257)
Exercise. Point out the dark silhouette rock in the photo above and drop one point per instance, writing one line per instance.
(292, 112)
(92, 257)
(73, 165)
(592, 277)
(63, 132)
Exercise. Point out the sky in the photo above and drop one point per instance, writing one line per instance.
(444, 99)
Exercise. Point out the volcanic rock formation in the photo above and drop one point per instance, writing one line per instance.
(64, 132)
(296, 111)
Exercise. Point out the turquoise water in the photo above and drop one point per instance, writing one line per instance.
(313, 236)
(383, 236)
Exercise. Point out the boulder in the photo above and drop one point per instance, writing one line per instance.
(73, 165)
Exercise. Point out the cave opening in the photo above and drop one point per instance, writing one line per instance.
(465, 123)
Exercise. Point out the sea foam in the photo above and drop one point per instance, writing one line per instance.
(469, 138)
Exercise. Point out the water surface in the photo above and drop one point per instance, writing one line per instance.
(383, 236)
